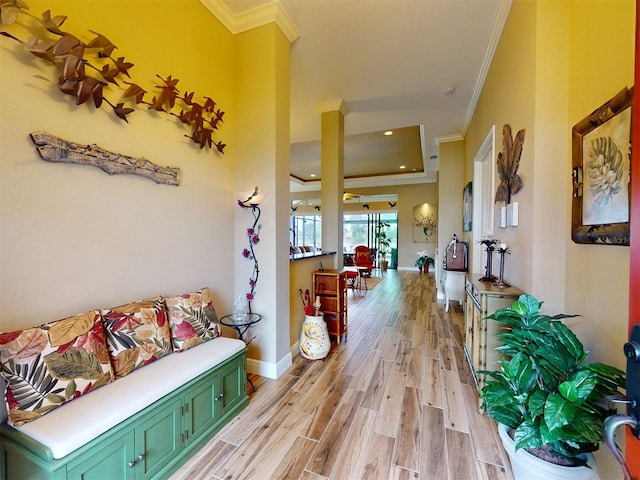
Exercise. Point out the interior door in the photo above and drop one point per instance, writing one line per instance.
(632, 453)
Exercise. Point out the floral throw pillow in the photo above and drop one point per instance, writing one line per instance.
(47, 366)
(137, 334)
(192, 318)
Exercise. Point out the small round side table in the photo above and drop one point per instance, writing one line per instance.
(242, 328)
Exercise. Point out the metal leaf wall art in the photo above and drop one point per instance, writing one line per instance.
(507, 165)
(88, 69)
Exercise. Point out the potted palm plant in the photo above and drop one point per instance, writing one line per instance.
(384, 244)
(549, 403)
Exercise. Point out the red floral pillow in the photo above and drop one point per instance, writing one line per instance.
(137, 334)
(47, 366)
(192, 319)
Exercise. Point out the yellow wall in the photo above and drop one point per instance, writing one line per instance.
(73, 237)
(598, 276)
(556, 62)
(547, 94)
(508, 97)
(450, 179)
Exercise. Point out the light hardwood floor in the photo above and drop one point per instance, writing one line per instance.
(395, 401)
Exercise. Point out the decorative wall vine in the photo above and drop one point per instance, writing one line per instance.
(88, 69)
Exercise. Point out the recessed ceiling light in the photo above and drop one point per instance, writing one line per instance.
(450, 90)
(388, 132)
(402, 167)
(313, 175)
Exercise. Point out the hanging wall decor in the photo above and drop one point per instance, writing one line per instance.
(507, 165)
(88, 71)
(55, 149)
(601, 149)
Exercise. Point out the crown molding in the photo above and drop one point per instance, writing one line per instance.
(272, 12)
(494, 39)
(454, 137)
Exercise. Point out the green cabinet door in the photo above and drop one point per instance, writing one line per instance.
(158, 439)
(114, 460)
(201, 407)
(233, 381)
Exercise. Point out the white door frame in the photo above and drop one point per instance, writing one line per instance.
(483, 205)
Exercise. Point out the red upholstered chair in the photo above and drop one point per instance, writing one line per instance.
(363, 260)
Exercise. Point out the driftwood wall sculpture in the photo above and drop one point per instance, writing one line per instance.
(55, 149)
(87, 69)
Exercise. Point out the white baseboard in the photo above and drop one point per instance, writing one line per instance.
(269, 370)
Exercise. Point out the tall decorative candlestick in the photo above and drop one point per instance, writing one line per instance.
(490, 246)
(502, 250)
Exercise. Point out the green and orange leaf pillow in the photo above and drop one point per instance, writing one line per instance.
(137, 334)
(47, 366)
(192, 319)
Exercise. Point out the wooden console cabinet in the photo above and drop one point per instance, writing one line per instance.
(330, 287)
(482, 299)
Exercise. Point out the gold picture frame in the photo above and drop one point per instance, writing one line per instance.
(601, 172)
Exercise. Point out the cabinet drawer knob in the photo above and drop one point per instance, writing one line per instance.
(131, 464)
(141, 457)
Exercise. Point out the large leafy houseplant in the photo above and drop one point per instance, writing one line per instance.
(384, 242)
(544, 390)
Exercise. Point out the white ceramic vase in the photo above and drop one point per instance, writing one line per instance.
(529, 467)
(314, 338)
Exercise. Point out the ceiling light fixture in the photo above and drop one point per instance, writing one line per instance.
(313, 175)
(388, 132)
(402, 167)
(450, 90)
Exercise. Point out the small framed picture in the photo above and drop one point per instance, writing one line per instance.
(467, 207)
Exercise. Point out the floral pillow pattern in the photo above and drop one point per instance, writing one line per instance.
(47, 366)
(137, 334)
(192, 318)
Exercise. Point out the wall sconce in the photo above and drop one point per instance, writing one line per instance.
(251, 199)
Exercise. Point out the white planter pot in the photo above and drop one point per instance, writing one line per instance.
(529, 467)
(314, 338)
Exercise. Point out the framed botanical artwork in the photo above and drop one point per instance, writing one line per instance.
(601, 172)
(467, 206)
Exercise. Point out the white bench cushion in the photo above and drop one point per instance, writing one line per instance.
(78, 422)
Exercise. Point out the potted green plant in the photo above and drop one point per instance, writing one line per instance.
(384, 244)
(549, 403)
(424, 260)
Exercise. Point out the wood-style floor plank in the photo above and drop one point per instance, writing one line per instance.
(395, 401)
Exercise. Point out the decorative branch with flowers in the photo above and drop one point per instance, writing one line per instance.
(427, 223)
(253, 236)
